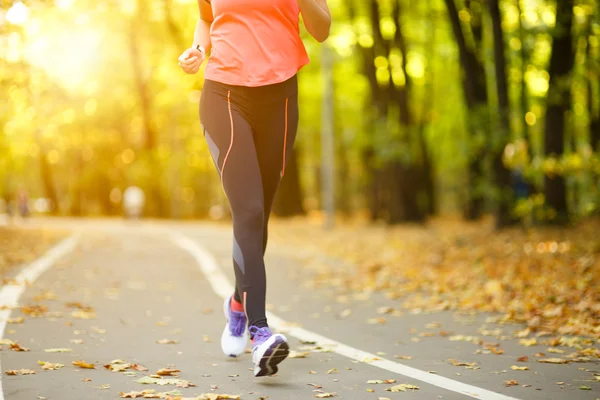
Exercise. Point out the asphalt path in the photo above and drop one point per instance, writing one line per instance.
(148, 296)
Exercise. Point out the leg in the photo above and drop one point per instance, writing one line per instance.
(274, 138)
(230, 139)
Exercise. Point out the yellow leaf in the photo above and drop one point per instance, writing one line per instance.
(517, 368)
(83, 314)
(528, 342)
(47, 366)
(167, 372)
(58, 350)
(402, 388)
(332, 371)
(553, 361)
(167, 341)
(296, 354)
(83, 364)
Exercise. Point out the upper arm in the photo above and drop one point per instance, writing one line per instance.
(205, 10)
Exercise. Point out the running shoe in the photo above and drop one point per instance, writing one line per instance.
(235, 334)
(268, 350)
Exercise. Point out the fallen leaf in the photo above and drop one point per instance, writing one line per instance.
(462, 364)
(312, 372)
(315, 385)
(383, 398)
(87, 379)
(17, 347)
(104, 386)
(553, 361)
(83, 364)
(332, 371)
(19, 371)
(205, 339)
(385, 310)
(539, 355)
(403, 387)
(585, 388)
(556, 351)
(167, 372)
(82, 314)
(34, 310)
(517, 368)
(496, 350)
(16, 320)
(523, 359)
(403, 357)
(296, 354)
(76, 341)
(528, 342)
(139, 367)
(511, 382)
(146, 380)
(48, 366)
(167, 341)
(370, 390)
(324, 395)
(58, 350)
(378, 320)
(215, 396)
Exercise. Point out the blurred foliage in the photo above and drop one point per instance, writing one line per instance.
(93, 101)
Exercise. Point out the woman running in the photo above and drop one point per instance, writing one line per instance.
(249, 116)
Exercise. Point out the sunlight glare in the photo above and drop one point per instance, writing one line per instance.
(64, 4)
(18, 14)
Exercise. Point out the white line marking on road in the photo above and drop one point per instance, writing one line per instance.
(10, 294)
(222, 287)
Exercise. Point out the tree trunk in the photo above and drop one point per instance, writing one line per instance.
(289, 199)
(559, 103)
(475, 93)
(501, 173)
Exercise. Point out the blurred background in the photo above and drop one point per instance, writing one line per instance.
(414, 108)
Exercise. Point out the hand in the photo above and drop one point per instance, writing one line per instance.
(190, 60)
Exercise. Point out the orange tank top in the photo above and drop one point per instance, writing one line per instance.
(255, 42)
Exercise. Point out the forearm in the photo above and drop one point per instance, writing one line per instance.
(202, 35)
(317, 18)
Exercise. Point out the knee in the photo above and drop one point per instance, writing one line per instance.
(251, 216)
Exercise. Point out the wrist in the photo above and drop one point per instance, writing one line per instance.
(201, 49)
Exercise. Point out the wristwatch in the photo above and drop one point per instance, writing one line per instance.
(202, 50)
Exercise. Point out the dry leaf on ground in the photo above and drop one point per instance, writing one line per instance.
(48, 366)
(324, 395)
(58, 350)
(20, 371)
(216, 396)
(83, 364)
(403, 387)
(517, 368)
(17, 347)
(511, 382)
(168, 372)
(553, 361)
(296, 354)
(167, 341)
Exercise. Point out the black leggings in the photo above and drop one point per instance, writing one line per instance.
(250, 132)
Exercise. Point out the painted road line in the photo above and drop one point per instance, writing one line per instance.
(222, 287)
(10, 293)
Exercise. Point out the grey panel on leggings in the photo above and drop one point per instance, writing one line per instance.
(214, 150)
(238, 257)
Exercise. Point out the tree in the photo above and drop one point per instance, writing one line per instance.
(558, 105)
(476, 98)
(501, 173)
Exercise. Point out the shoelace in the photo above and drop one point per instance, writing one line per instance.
(259, 335)
(237, 325)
